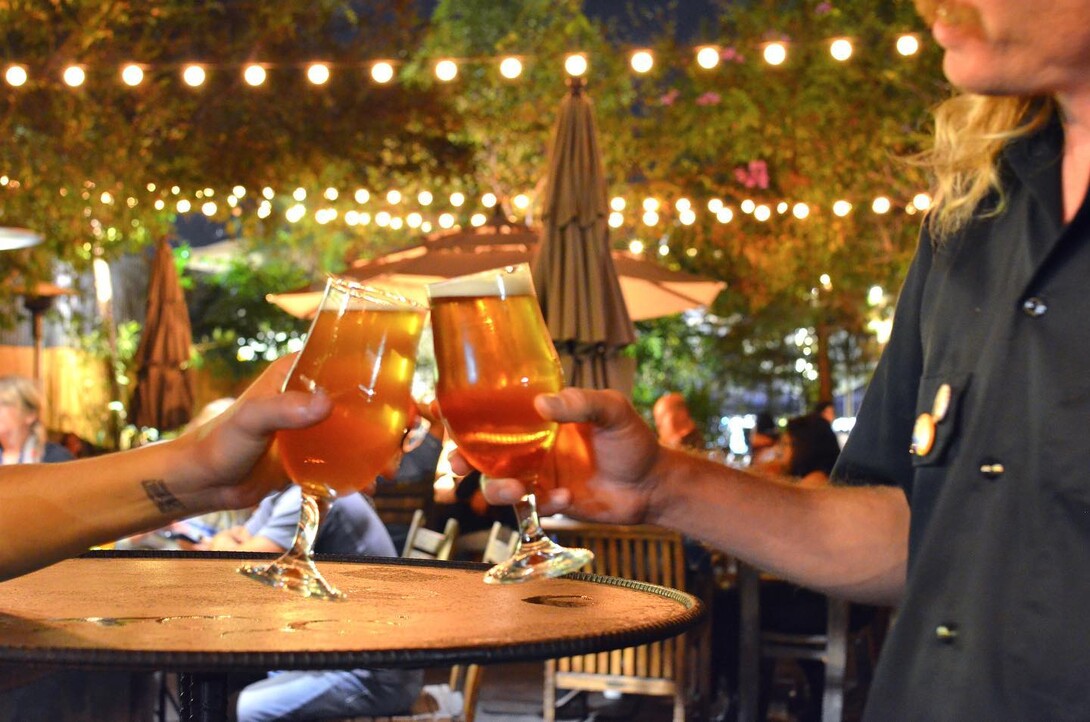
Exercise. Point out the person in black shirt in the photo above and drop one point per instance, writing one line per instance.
(963, 492)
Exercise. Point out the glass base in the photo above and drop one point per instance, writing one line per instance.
(538, 560)
(298, 576)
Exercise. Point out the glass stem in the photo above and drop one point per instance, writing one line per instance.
(529, 525)
(310, 513)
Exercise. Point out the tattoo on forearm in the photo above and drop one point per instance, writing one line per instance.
(160, 495)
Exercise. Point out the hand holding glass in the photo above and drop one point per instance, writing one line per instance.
(361, 352)
(494, 356)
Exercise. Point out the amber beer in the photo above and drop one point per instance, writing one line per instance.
(495, 357)
(363, 359)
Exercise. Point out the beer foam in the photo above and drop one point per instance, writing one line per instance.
(352, 296)
(502, 282)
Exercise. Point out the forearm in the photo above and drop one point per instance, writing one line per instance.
(851, 542)
(52, 511)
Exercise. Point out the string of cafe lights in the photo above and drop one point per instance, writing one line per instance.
(383, 71)
(394, 209)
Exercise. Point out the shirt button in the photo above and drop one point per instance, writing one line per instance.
(1034, 307)
(992, 470)
(946, 633)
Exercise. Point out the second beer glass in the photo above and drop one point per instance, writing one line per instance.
(494, 356)
(361, 352)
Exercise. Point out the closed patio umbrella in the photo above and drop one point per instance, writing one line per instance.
(574, 274)
(163, 397)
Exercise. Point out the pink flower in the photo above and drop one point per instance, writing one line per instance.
(669, 96)
(823, 8)
(754, 175)
(709, 98)
(731, 55)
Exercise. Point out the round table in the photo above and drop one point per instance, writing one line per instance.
(191, 613)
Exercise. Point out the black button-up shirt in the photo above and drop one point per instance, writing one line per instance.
(995, 623)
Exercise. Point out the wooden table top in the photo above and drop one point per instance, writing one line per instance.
(193, 612)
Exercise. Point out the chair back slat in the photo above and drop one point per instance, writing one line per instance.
(424, 543)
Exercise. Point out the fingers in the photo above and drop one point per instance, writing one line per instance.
(289, 410)
(509, 491)
(458, 463)
(603, 408)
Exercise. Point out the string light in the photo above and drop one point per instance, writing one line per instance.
(642, 61)
(132, 75)
(194, 76)
(457, 199)
(707, 57)
(488, 200)
(650, 218)
(724, 215)
(921, 201)
(775, 53)
(16, 76)
(414, 220)
(510, 67)
(881, 205)
(74, 75)
(446, 220)
(616, 220)
(209, 208)
(575, 65)
(393, 197)
(477, 220)
(424, 198)
(299, 194)
(254, 74)
(331, 194)
(747, 206)
(183, 206)
(800, 211)
(651, 204)
(715, 204)
(446, 70)
(841, 49)
(842, 208)
(908, 44)
(521, 201)
(382, 72)
(362, 196)
(617, 203)
(636, 246)
(382, 219)
(762, 213)
(268, 193)
(318, 73)
(239, 191)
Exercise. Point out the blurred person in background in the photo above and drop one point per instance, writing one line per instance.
(22, 433)
(675, 424)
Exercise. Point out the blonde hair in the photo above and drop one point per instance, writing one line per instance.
(22, 392)
(970, 132)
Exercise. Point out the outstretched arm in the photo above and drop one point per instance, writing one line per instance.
(851, 542)
(52, 511)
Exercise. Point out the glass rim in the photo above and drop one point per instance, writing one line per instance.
(356, 289)
(488, 282)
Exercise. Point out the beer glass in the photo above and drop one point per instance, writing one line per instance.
(494, 356)
(361, 352)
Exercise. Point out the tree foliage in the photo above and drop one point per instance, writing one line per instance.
(812, 129)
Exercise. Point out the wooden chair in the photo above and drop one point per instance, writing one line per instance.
(831, 649)
(500, 544)
(424, 543)
(396, 502)
(671, 668)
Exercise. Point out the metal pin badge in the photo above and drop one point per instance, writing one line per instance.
(942, 403)
(923, 435)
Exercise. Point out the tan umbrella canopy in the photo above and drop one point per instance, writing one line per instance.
(163, 397)
(574, 275)
(649, 290)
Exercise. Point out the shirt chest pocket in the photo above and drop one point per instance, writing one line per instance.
(938, 408)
